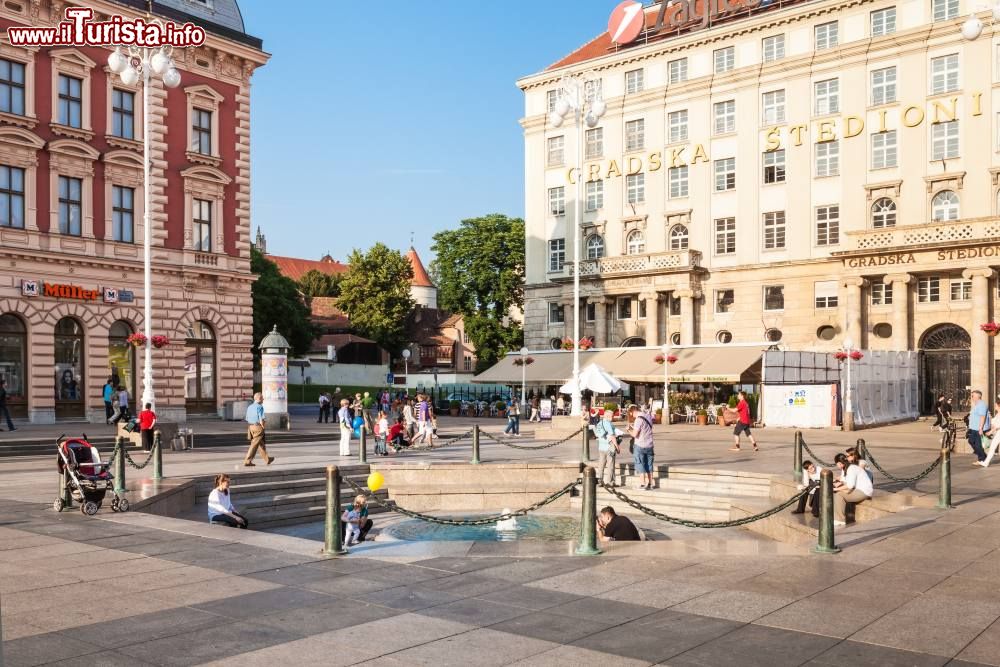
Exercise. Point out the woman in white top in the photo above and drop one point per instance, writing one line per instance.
(854, 487)
(854, 458)
(995, 434)
(220, 505)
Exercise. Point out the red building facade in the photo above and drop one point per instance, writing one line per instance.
(71, 198)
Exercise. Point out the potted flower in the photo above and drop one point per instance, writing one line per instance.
(586, 343)
(840, 355)
(137, 339)
(501, 409)
(720, 417)
(991, 328)
(658, 417)
(567, 343)
(702, 416)
(453, 408)
(660, 359)
(524, 361)
(160, 341)
(857, 355)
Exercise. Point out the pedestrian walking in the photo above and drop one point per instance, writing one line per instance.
(4, 411)
(423, 415)
(368, 403)
(345, 420)
(853, 487)
(536, 412)
(409, 418)
(513, 417)
(994, 434)
(108, 394)
(942, 413)
(608, 448)
(122, 406)
(743, 424)
(324, 408)
(147, 422)
(979, 424)
(641, 430)
(256, 433)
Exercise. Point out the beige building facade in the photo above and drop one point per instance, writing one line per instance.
(806, 173)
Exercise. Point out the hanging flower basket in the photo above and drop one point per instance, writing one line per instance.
(840, 355)
(136, 339)
(527, 361)
(567, 343)
(586, 343)
(857, 355)
(160, 341)
(660, 359)
(991, 328)
(671, 359)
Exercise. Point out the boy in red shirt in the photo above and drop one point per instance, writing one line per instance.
(743, 424)
(147, 420)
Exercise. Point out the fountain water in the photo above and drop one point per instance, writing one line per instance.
(507, 525)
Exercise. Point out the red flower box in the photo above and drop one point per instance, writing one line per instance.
(840, 355)
(160, 341)
(672, 359)
(567, 344)
(857, 355)
(586, 343)
(524, 362)
(137, 339)
(991, 328)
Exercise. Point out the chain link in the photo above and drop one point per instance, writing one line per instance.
(465, 522)
(816, 459)
(129, 459)
(903, 480)
(529, 447)
(702, 524)
(442, 443)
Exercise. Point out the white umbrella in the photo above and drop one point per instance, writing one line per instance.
(595, 379)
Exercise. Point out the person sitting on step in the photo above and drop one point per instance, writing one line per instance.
(810, 480)
(854, 487)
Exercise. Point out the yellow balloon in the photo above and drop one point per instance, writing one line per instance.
(375, 481)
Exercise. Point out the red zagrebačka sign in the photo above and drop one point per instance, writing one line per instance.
(676, 15)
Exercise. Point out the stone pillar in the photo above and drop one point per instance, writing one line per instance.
(687, 315)
(900, 310)
(982, 359)
(568, 318)
(652, 300)
(601, 321)
(853, 307)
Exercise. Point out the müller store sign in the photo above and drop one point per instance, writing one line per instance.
(66, 292)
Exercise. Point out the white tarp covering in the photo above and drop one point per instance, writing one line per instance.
(800, 405)
(884, 387)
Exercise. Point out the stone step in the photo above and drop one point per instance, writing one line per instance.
(294, 516)
(308, 498)
(292, 485)
(246, 479)
(884, 503)
(36, 447)
(708, 487)
(782, 527)
(694, 506)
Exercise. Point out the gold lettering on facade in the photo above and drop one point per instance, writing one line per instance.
(699, 153)
(940, 108)
(595, 172)
(977, 104)
(881, 120)
(906, 116)
(882, 260)
(826, 132)
(675, 156)
(796, 131)
(773, 139)
(853, 126)
(613, 169)
(570, 175)
(633, 166)
(655, 161)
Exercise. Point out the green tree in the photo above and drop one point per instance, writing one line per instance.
(480, 272)
(277, 301)
(317, 283)
(375, 294)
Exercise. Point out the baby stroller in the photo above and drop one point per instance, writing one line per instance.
(84, 478)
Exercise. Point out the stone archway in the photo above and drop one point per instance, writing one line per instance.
(946, 366)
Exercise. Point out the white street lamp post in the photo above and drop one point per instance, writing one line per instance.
(406, 365)
(972, 28)
(581, 95)
(848, 397)
(665, 415)
(524, 366)
(144, 62)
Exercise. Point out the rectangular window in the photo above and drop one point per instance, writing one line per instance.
(636, 188)
(635, 135)
(123, 114)
(944, 10)
(624, 308)
(11, 197)
(883, 21)
(675, 306)
(724, 300)
(591, 311)
(551, 97)
(944, 140)
(725, 236)
(595, 195)
(201, 131)
(884, 149)
(557, 254)
(929, 289)
(677, 123)
(826, 294)
(827, 97)
(594, 143)
(883, 85)
(826, 35)
(774, 297)
(593, 89)
(828, 158)
(881, 294)
(70, 206)
(11, 87)
(634, 81)
(556, 155)
(725, 117)
(725, 174)
(70, 101)
(122, 213)
(678, 177)
(557, 314)
(774, 107)
(468, 363)
(774, 230)
(773, 48)
(944, 74)
(961, 290)
(828, 225)
(774, 166)
(202, 219)
(642, 308)
(557, 200)
(725, 59)
(677, 70)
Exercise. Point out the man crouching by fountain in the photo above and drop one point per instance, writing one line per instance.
(611, 527)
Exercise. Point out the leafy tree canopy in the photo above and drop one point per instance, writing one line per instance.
(317, 283)
(375, 294)
(277, 301)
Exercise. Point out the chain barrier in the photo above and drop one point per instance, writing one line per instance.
(442, 443)
(135, 465)
(702, 524)
(530, 447)
(815, 459)
(464, 522)
(903, 480)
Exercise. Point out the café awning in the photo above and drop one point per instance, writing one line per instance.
(694, 365)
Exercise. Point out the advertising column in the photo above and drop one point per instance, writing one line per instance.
(274, 378)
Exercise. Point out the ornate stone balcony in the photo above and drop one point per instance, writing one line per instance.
(650, 263)
(925, 235)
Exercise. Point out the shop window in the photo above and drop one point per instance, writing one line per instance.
(13, 344)
(199, 369)
(121, 357)
(69, 369)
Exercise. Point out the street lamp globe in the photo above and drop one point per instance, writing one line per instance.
(555, 120)
(972, 27)
(562, 106)
(406, 353)
(665, 349)
(171, 78)
(524, 352)
(848, 343)
(117, 61)
(160, 62)
(130, 76)
(598, 107)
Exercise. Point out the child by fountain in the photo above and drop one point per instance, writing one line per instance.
(352, 523)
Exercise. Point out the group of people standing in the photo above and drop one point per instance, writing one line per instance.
(983, 430)
(396, 423)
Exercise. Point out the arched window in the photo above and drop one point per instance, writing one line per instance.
(679, 237)
(944, 206)
(635, 242)
(13, 344)
(70, 383)
(121, 357)
(595, 246)
(884, 213)
(199, 369)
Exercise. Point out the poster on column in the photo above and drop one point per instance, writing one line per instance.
(274, 383)
(800, 406)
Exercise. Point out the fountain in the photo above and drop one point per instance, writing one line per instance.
(507, 525)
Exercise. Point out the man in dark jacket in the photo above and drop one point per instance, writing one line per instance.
(4, 412)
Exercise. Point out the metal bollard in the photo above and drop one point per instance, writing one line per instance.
(363, 445)
(588, 518)
(944, 495)
(119, 465)
(157, 455)
(333, 540)
(585, 453)
(64, 492)
(826, 544)
(797, 460)
(475, 444)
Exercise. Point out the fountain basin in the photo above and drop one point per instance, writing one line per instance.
(531, 527)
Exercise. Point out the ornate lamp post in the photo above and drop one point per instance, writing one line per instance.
(848, 394)
(143, 63)
(665, 415)
(524, 366)
(972, 28)
(581, 95)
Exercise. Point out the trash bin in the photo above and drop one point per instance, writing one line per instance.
(235, 411)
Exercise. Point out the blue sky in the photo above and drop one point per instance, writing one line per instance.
(418, 110)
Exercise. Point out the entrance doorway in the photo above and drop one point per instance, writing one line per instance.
(69, 378)
(947, 364)
(199, 370)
